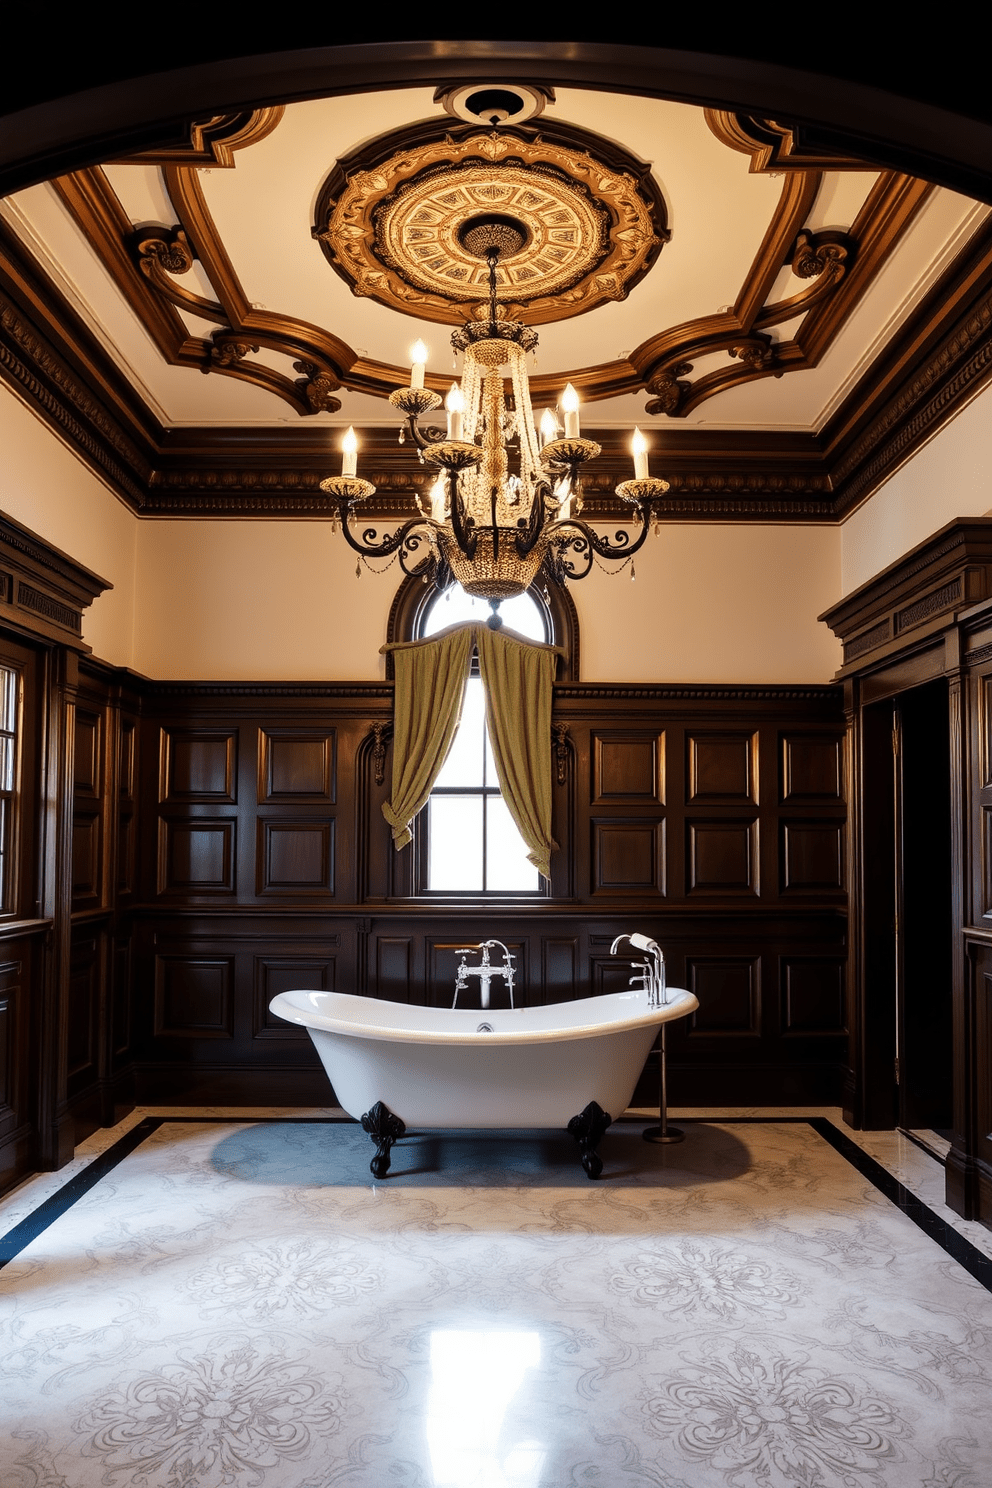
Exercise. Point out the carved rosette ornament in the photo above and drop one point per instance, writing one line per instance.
(668, 389)
(816, 253)
(317, 388)
(590, 231)
(226, 349)
(164, 248)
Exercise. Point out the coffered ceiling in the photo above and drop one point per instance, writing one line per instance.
(236, 300)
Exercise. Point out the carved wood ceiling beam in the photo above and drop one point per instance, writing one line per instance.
(839, 266)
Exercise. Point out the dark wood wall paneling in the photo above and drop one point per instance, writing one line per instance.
(185, 852)
(918, 690)
(711, 817)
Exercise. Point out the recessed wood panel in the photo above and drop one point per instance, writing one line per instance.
(722, 769)
(193, 996)
(811, 769)
(83, 1010)
(729, 992)
(86, 857)
(13, 1040)
(87, 754)
(295, 857)
(986, 732)
(812, 856)
(296, 765)
(275, 974)
(125, 853)
(196, 857)
(628, 768)
(813, 996)
(985, 817)
(393, 959)
(723, 857)
(8, 1045)
(120, 1019)
(628, 856)
(198, 765)
(559, 965)
(126, 756)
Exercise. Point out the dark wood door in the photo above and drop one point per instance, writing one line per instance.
(924, 944)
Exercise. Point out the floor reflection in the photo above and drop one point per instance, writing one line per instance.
(475, 1376)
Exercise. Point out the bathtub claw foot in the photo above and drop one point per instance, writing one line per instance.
(587, 1128)
(384, 1128)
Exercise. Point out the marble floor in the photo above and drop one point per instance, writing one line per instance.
(228, 1298)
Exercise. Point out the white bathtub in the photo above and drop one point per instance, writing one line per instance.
(432, 1067)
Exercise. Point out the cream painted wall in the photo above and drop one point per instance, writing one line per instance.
(47, 489)
(279, 601)
(231, 601)
(715, 604)
(950, 477)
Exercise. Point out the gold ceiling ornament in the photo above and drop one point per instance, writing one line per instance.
(493, 528)
(395, 232)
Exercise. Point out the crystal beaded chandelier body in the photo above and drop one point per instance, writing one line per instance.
(491, 528)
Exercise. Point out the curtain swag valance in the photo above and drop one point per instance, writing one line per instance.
(517, 678)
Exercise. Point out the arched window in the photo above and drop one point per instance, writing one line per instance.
(473, 845)
(466, 840)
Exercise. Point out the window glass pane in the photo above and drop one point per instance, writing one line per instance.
(506, 852)
(454, 606)
(465, 757)
(5, 821)
(455, 843)
(490, 777)
(8, 699)
(6, 764)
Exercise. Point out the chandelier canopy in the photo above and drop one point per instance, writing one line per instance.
(506, 504)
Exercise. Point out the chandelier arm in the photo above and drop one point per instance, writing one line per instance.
(525, 541)
(369, 547)
(428, 565)
(465, 539)
(622, 546)
(562, 570)
(422, 438)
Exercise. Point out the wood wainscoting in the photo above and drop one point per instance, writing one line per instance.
(711, 817)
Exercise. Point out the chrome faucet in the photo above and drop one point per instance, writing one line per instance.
(651, 970)
(484, 971)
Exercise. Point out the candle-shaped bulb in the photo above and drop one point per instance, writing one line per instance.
(418, 356)
(455, 404)
(639, 445)
(570, 408)
(349, 460)
(439, 495)
(549, 426)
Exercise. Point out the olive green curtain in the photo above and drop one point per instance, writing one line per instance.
(517, 677)
(430, 684)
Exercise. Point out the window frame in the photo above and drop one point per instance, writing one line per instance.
(407, 616)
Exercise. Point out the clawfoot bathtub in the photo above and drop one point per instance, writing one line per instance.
(570, 1064)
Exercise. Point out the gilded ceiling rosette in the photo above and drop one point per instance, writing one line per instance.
(591, 227)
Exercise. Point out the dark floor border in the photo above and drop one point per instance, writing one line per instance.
(943, 1234)
(946, 1236)
(59, 1203)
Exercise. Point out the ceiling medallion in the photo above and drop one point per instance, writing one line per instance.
(586, 232)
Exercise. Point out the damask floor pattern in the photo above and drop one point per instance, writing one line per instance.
(237, 1302)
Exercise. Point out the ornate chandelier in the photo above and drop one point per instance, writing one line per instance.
(494, 529)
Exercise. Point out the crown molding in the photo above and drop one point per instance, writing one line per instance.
(941, 358)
